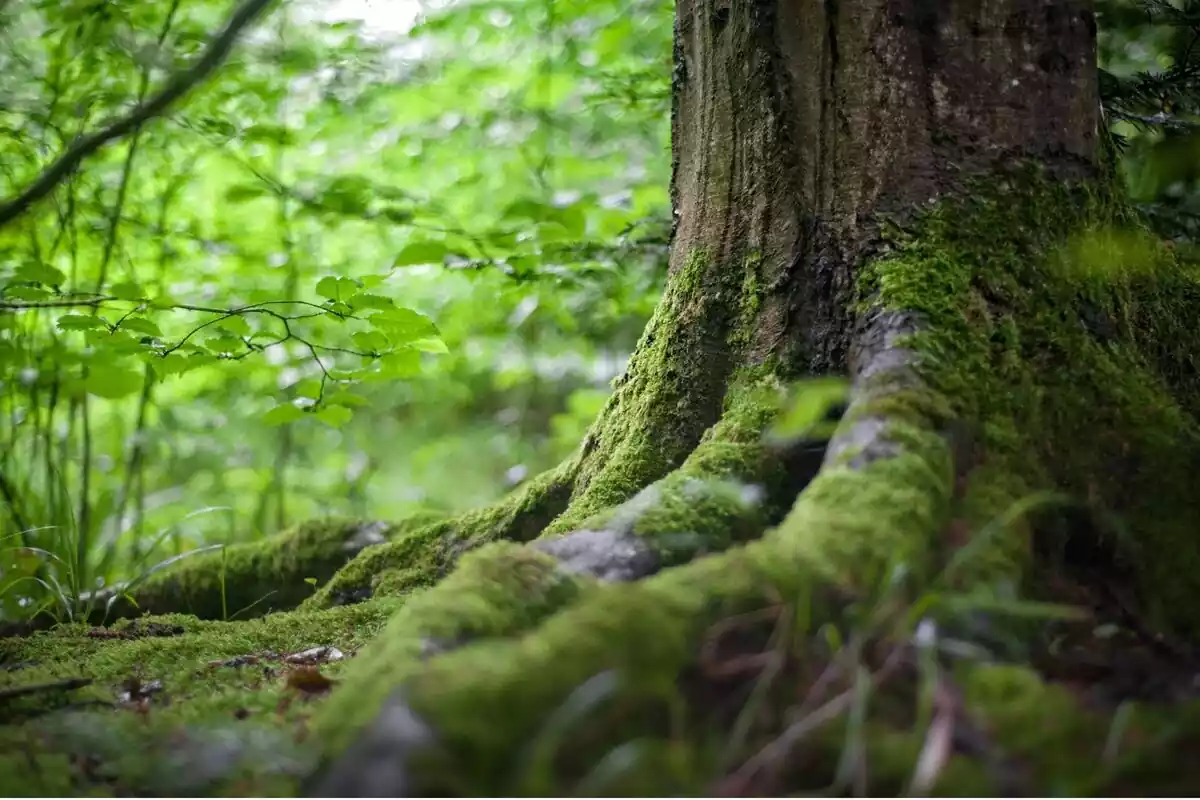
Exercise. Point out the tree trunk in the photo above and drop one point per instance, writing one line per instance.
(916, 194)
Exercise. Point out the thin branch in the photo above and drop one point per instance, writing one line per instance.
(175, 89)
(1161, 119)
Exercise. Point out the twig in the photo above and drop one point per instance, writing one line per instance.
(175, 89)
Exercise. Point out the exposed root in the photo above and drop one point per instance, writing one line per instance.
(650, 630)
(903, 523)
(500, 590)
(651, 623)
(242, 580)
(421, 557)
(670, 395)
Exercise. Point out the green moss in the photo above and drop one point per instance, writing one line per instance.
(750, 302)
(1063, 345)
(499, 590)
(251, 578)
(210, 727)
(861, 527)
(649, 632)
(670, 394)
(646, 631)
(424, 554)
(1068, 750)
(728, 490)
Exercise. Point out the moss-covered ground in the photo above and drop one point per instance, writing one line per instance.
(987, 588)
(172, 704)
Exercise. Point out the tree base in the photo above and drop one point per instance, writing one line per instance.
(644, 623)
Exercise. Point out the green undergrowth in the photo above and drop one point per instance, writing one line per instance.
(648, 632)
(212, 709)
(1065, 345)
(1068, 750)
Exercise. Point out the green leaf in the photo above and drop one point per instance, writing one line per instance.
(272, 134)
(282, 414)
(1027, 609)
(429, 344)
(112, 381)
(140, 325)
(177, 364)
(225, 344)
(403, 216)
(242, 192)
(365, 300)
(527, 209)
(347, 194)
(421, 252)
(403, 325)
(370, 341)
(346, 399)
(371, 281)
(109, 345)
(328, 287)
(163, 301)
(236, 325)
(400, 364)
(552, 231)
(309, 387)
(573, 219)
(80, 322)
(127, 290)
(40, 273)
(29, 293)
(336, 288)
(335, 416)
(808, 412)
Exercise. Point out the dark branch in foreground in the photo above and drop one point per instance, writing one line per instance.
(176, 88)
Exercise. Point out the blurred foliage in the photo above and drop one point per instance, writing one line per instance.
(386, 259)
(1150, 82)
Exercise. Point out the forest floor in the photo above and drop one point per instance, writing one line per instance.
(176, 705)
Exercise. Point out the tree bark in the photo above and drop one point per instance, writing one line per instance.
(914, 194)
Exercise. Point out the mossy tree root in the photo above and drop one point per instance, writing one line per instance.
(551, 646)
(958, 411)
(729, 489)
(851, 528)
(423, 555)
(247, 579)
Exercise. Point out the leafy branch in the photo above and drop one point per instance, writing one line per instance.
(1156, 99)
(176, 88)
(397, 337)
